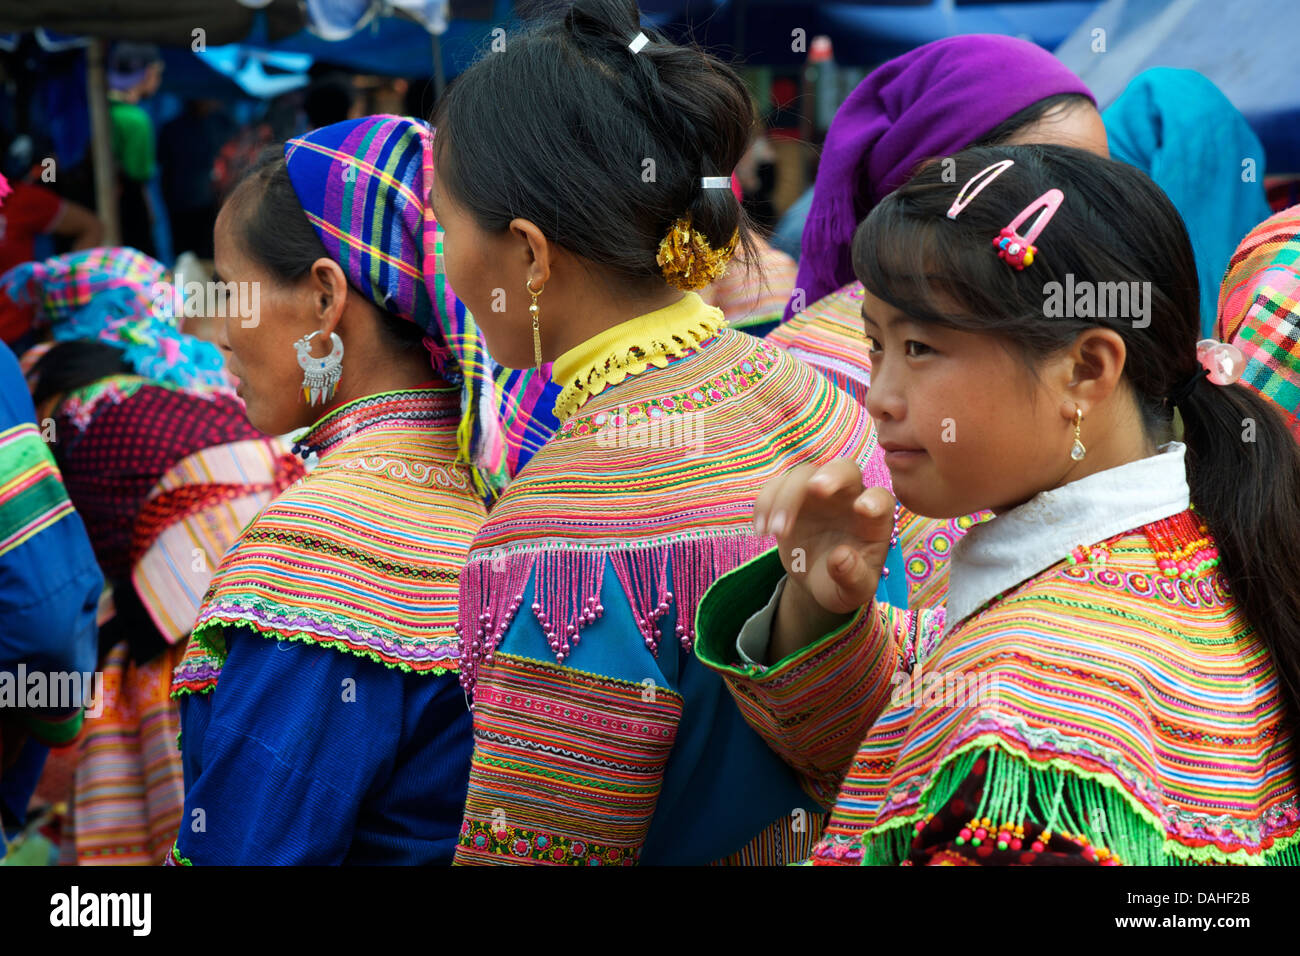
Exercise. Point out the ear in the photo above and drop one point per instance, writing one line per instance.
(328, 288)
(537, 252)
(1094, 365)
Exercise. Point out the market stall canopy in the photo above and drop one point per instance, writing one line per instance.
(167, 22)
(1245, 48)
(865, 32)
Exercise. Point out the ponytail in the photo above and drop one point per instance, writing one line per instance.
(1243, 467)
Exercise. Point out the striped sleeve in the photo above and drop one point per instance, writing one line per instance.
(814, 707)
(31, 490)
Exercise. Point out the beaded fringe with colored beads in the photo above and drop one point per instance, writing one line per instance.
(567, 589)
(1182, 545)
(1015, 792)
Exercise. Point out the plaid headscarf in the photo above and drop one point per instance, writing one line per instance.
(365, 186)
(117, 295)
(1259, 311)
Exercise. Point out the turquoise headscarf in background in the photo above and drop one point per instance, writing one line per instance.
(1186, 135)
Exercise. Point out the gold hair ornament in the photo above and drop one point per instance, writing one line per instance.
(688, 261)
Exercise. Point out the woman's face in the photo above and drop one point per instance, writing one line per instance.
(964, 424)
(259, 351)
(1075, 124)
(488, 273)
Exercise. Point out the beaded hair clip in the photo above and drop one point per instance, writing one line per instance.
(1013, 248)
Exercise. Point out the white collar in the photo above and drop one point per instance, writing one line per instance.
(1013, 547)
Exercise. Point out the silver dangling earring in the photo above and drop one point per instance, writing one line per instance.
(321, 376)
(1077, 451)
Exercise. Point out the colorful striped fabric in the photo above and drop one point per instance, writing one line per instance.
(32, 496)
(119, 436)
(753, 300)
(828, 335)
(1259, 311)
(666, 465)
(363, 554)
(1109, 710)
(192, 517)
(927, 544)
(644, 496)
(364, 185)
(129, 791)
(528, 418)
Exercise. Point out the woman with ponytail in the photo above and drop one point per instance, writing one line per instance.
(583, 182)
(1115, 675)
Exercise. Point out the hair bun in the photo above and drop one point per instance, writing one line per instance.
(603, 18)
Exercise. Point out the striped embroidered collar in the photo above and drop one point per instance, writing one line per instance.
(631, 347)
(1013, 547)
(429, 403)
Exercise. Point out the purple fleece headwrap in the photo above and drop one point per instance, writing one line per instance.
(932, 101)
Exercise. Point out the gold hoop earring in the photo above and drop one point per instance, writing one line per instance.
(1077, 451)
(537, 331)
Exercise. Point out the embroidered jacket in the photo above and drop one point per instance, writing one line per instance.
(337, 731)
(598, 737)
(1097, 697)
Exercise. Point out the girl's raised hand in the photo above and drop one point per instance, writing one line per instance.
(833, 537)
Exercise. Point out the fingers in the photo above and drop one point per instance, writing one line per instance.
(854, 575)
(782, 498)
(777, 489)
(873, 515)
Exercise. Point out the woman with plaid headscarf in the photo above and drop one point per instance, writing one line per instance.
(322, 717)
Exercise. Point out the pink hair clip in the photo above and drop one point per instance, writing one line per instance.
(1222, 361)
(1017, 250)
(978, 181)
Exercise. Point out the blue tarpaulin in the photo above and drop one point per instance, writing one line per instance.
(1245, 48)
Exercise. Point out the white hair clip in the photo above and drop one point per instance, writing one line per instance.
(638, 43)
(715, 182)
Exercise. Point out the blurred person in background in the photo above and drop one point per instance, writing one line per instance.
(331, 99)
(33, 210)
(1259, 311)
(187, 154)
(134, 74)
(49, 619)
(1178, 128)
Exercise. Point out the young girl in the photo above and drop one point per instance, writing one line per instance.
(1114, 676)
(930, 102)
(585, 171)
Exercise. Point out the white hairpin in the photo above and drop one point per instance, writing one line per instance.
(715, 182)
(638, 42)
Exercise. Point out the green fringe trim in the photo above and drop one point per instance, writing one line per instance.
(218, 650)
(178, 859)
(1060, 797)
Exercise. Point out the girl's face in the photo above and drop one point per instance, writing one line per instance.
(964, 424)
(488, 272)
(259, 351)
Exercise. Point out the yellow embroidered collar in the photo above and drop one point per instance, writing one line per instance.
(631, 347)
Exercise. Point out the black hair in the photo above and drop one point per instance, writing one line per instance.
(562, 125)
(278, 236)
(71, 365)
(1114, 226)
(1030, 115)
